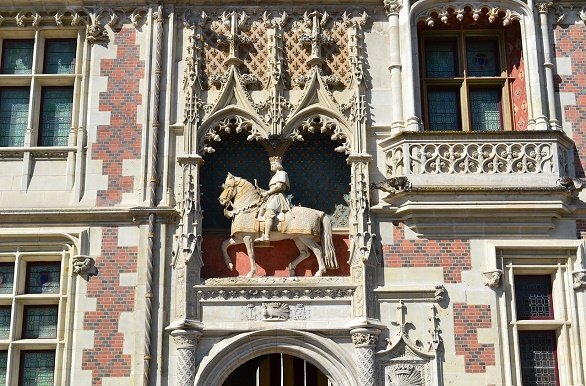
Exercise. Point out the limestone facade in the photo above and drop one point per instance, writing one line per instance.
(433, 235)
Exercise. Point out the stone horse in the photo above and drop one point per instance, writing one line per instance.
(305, 226)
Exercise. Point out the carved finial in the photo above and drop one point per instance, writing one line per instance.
(235, 20)
(314, 38)
(492, 279)
(392, 7)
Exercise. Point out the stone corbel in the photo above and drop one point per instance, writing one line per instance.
(84, 266)
(579, 279)
(492, 279)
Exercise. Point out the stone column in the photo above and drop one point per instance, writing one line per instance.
(392, 8)
(186, 344)
(364, 340)
(543, 9)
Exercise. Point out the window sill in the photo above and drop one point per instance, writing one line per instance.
(39, 152)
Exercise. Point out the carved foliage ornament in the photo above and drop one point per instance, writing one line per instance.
(457, 12)
(364, 339)
(579, 278)
(392, 7)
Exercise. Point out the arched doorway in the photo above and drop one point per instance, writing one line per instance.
(277, 369)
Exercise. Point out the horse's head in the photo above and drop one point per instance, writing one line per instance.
(228, 189)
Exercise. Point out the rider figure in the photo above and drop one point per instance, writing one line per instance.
(275, 199)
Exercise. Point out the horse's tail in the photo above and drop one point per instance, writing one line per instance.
(328, 243)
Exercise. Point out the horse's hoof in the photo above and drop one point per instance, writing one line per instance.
(231, 266)
(250, 274)
(320, 272)
(291, 271)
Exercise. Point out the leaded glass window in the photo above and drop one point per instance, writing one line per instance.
(43, 278)
(17, 56)
(14, 103)
(538, 358)
(40, 322)
(485, 109)
(60, 56)
(55, 120)
(6, 278)
(5, 313)
(533, 297)
(37, 368)
(441, 58)
(482, 57)
(443, 109)
(464, 80)
(3, 366)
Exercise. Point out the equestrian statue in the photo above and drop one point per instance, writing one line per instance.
(261, 216)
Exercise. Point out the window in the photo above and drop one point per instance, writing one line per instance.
(538, 317)
(464, 80)
(38, 76)
(33, 305)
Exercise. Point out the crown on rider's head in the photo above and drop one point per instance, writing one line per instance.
(276, 158)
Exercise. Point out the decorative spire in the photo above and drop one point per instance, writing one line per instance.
(315, 38)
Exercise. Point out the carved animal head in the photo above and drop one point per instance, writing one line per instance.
(228, 189)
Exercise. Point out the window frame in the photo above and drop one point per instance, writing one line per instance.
(561, 258)
(463, 82)
(38, 79)
(22, 256)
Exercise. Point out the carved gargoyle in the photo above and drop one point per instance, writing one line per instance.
(392, 185)
(572, 185)
(84, 266)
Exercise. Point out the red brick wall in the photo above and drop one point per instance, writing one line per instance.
(106, 358)
(569, 42)
(467, 320)
(452, 255)
(121, 139)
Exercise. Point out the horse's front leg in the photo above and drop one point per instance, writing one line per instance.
(249, 242)
(225, 244)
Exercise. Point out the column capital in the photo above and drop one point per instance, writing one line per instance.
(392, 7)
(364, 337)
(543, 7)
(186, 339)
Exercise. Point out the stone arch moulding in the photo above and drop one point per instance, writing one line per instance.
(229, 120)
(432, 11)
(230, 353)
(316, 119)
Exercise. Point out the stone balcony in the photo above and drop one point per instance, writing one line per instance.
(473, 183)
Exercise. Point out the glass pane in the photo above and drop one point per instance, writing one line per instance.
(443, 110)
(43, 278)
(482, 57)
(55, 122)
(60, 56)
(36, 368)
(5, 312)
(538, 358)
(40, 322)
(3, 366)
(441, 58)
(485, 109)
(17, 56)
(6, 278)
(533, 297)
(13, 115)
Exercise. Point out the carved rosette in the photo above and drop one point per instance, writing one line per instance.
(492, 279)
(186, 343)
